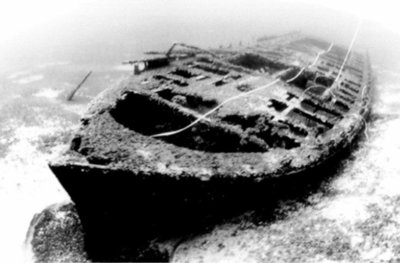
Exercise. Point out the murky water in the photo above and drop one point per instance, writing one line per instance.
(356, 218)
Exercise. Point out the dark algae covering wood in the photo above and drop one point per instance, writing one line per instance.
(197, 135)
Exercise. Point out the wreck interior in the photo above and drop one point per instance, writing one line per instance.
(196, 83)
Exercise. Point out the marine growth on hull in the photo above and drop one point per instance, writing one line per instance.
(203, 135)
(214, 101)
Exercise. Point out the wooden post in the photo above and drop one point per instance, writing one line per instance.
(71, 95)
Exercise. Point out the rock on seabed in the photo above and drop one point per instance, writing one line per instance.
(56, 235)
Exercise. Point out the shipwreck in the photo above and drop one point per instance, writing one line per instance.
(198, 133)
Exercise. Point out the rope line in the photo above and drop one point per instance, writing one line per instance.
(202, 117)
(311, 87)
(314, 62)
(268, 85)
(320, 53)
(297, 75)
(213, 110)
(353, 40)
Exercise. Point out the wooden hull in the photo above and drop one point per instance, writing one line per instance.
(133, 188)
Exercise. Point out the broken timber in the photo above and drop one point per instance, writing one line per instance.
(71, 95)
